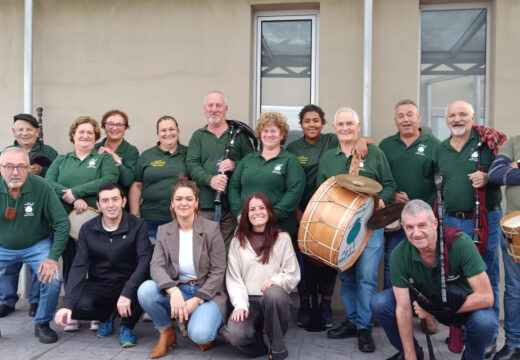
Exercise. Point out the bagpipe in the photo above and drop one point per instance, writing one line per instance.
(38, 157)
(235, 129)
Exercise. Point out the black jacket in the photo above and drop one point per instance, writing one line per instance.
(116, 260)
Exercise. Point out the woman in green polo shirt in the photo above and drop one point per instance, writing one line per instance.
(273, 171)
(125, 155)
(157, 169)
(309, 149)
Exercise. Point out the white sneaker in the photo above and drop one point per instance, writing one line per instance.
(94, 325)
(72, 326)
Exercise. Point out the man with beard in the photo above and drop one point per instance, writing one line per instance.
(31, 211)
(205, 151)
(26, 130)
(115, 251)
(457, 158)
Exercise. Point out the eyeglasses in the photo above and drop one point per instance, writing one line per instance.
(10, 168)
(112, 125)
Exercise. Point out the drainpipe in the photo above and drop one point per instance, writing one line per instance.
(367, 66)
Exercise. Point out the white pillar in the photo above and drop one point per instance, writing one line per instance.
(367, 65)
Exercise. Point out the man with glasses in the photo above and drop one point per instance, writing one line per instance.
(31, 210)
(26, 130)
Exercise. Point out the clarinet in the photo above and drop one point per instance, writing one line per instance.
(438, 180)
(233, 133)
(476, 230)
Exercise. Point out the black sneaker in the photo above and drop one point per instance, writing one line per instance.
(5, 310)
(365, 341)
(304, 316)
(400, 356)
(32, 309)
(45, 333)
(490, 351)
(326, 313)
(345, 330)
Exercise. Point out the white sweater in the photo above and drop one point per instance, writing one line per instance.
(245, 273)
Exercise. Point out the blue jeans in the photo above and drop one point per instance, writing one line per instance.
(392, 239)
(491, 257)
(481, 326)
(9, 286)
(511, 299)
(152, 229)
(204, 321)
(359, 282)
(33, 256)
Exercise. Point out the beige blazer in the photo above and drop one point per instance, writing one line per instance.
(209, 259)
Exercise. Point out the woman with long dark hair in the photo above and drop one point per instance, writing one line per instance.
(262, 270)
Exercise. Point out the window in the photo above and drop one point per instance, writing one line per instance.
(285, 64)
(454, 58)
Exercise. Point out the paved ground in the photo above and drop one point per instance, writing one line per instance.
(18, 342)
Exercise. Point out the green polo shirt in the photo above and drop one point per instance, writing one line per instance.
(309, 156)
(38, 212)
(412, 167)
(465, 262)
(204, 150)
(128, 155)
(280, 178)
(455, 166)
(373, 166)
(47, 151)
(158, 170)
(83, 177)
(511, 149)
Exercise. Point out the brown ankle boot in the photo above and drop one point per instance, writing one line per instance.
(205, 347)
(167, 338)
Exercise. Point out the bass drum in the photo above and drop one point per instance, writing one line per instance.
(77, 220)
(334, 228)
(511, 227)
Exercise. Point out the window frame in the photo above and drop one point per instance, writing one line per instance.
(259, 18)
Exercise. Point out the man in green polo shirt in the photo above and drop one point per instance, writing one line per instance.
(418, 259)
(410, 155)
(31, 210)
(26, 130)
(205, 150)
(456, 159)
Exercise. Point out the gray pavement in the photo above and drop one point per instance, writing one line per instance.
(17, 341)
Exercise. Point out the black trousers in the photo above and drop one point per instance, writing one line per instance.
(98, 301)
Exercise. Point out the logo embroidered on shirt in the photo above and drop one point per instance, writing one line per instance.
(158, 163)
(92, 164)
(474, 156)
(28, 207)
(362, 164)
(420, 149)
(303, 159)
(278, 169)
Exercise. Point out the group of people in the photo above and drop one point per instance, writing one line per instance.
(156, 248)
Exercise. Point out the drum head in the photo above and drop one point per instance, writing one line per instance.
(77, 220)
(511, 227)
(356, 235)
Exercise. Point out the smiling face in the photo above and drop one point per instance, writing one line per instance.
(421, 230)
(312, 124)
(168, 133)
(111, 204)
(85, 137)
(271, 137)
(115, 127)
(215, 108)
(257, 214)
(25, 134)
(407, 119)
(346, 128)
(14, 168)
(459, 118)
(184, 203)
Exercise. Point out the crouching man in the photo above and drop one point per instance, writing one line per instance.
(115, 252)
(417, 261)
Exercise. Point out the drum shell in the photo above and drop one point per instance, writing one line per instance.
(324, 227)
(512, 235)
(77, 221)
